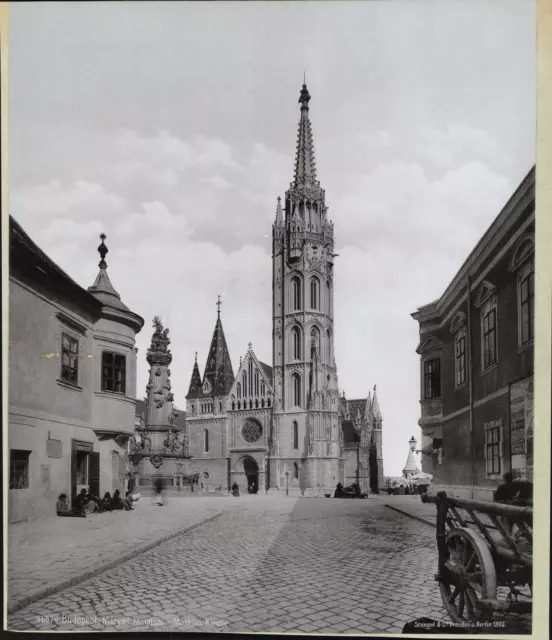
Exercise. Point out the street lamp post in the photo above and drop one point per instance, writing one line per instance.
(287, 487)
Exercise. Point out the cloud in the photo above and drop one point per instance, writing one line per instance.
(186, 222)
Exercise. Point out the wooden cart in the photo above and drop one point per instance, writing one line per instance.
(485, 557)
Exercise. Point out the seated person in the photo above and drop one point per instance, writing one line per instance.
(117, 501)
(339, 493)
(94, 503)
(80, 501)
(517, 492)
(106, 502)
(62, 508)
(128, 502)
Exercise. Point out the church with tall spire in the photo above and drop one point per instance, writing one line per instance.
(286, 427)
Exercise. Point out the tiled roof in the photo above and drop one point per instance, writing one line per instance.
(349, 432)
(267, 370)
(218, 369)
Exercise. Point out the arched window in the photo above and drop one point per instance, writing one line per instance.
(244, 384)
(295, 435)
(263, 389)
(328, 347)
(206, 441)
(296, 343)
(233, 406)
(256, 382)
(296, 293)
(296, 471)
(328, 298)
(250, 378)
(296, 389)
(314, 293)
(238, 390)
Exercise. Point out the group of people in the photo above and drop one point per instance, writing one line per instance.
(86, 502)
(353, 491)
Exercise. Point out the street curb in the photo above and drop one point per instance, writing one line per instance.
(60, 586)
(411, 515)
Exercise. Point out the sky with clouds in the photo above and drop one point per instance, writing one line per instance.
(171, 127)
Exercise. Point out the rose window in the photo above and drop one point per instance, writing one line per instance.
(252, 431)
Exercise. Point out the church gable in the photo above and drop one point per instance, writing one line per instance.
(252, 388)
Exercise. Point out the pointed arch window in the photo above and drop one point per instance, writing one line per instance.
(296, 343)
(244, 383)
(296, 471)
(328, 347)
(296, 293)
(296, 389)
(263, 388)
(295, 435)
(314, 293)
(256, 382)
(250, 378)
(238, 390)
(206, 441)
(328, 298)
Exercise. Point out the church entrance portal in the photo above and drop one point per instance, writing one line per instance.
(251, 469)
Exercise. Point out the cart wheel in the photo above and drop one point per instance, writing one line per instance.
(469, 576)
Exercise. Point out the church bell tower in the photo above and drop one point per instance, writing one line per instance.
(307, 450)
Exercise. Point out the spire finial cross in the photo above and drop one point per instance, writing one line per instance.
(196, 357)
(218, 305)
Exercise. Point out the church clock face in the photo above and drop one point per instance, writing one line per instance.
(206, 387)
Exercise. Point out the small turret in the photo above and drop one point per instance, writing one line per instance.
(195, 382)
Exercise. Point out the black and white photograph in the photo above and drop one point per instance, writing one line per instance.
(271, 286)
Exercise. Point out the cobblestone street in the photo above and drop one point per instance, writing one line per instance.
(267, 564)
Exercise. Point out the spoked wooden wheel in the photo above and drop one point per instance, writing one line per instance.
(469, 576)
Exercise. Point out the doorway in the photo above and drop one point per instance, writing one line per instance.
(85, 468)
(251, 469)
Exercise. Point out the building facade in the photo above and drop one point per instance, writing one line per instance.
(72, 382)
(476, 360)
(280, 427)
(361, 426)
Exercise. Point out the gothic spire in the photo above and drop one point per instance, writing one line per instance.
(195, 382)
(218, 369)
(279, 214)
(375, 406)
(305, 166)
(368, 408)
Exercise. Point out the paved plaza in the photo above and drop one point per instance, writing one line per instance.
(265, 564)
